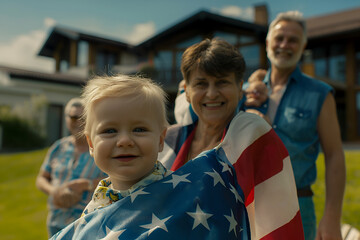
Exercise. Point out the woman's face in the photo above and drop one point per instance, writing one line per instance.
(213, 99)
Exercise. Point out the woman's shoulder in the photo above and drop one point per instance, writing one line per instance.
(249, 121)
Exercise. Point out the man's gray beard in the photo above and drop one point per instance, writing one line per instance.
(281, 63)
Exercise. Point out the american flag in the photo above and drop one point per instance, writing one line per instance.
(263, 172)
(201, 200)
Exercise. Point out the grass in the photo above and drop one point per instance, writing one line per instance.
(23, 207)
(351, 204)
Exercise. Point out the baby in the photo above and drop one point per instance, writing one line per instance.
(256, 94)
(125, 127)
(257, 98)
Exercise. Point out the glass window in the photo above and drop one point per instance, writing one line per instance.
(357, 67)
(163, 63)
(83, 54)
(178, 66)
(246, 39)
(105, 61)
(189, 42)
(229, 37)
(251, 55)
(64, 65)
(337, 62)
(319, 58)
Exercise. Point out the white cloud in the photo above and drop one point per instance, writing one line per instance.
(238, 12)
(140, 32)
(49, 22)
(22, 51)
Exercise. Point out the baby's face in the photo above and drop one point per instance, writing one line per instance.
(125, 139)
(257, 91)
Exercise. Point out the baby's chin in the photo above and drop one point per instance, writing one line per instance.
(252, 102)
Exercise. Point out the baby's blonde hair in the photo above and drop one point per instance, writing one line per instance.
(123, 86)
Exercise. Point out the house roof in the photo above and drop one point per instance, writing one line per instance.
(58, 33)
(44, 77)
(204, 21)
(335, 24)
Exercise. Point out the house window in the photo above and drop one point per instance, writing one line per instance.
(54, 122)
(105, 61)
(189, 42)
(163, 63)
(251, 55)
(229, 37)
(320, 62)
(64, 65)
(357, 62)
(337, 62)
(330, 62)
(83, 54)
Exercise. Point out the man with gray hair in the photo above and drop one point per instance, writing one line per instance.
(302, 111)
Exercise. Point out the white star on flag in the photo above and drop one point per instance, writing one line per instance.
(232, 222)
(200, 217)
(235, 192)
(226, 167)
(156, 223)
(110, 235)
(133, 195)
(176, 179)
(216, 176)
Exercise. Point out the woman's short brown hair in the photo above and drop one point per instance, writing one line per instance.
(215, 57)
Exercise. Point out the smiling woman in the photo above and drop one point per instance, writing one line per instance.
(213, 72)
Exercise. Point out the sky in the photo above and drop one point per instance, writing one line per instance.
(26, 24)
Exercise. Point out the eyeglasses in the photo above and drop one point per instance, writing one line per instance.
(74, 117)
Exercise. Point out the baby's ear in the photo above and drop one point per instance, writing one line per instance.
(162, 140)
(91, 148)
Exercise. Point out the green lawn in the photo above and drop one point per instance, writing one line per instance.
(351, 206)
(23, 207)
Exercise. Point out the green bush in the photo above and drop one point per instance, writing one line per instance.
(18, 134)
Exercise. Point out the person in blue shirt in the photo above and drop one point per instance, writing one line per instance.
(68, 174)
(302, 111)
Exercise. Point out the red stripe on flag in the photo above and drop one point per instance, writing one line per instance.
(292, 230)
(250, 197)
(181, 157)
(260, 161)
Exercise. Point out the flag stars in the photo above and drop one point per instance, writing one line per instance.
(232, 222)
(226, 167)
(156, 223)
(176, 179)
(112, 235)
(133, 195)
(216, 176)
(236, 194)
(200, 217)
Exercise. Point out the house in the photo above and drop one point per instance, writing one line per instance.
(19, 86)
(82, 54)
(332, 55)
(333, 51)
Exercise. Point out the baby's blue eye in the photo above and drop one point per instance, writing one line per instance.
(109, 131)
(139, 129)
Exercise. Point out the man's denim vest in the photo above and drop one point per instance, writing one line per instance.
(296, 123)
